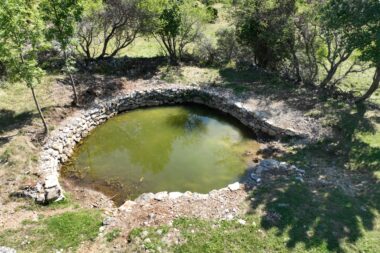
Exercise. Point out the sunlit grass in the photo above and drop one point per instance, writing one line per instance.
(61, 232)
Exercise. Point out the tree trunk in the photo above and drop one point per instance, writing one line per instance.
(373, 88)
(296, 65)
(39, 111)
(76, 100)
(329, 76)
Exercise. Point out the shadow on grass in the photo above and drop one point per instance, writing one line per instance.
(132, 68)
(269, 86)
(9, 120)
(341, 195)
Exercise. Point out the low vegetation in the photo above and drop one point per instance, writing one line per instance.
(57, 233)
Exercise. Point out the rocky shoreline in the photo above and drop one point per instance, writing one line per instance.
(62, 141)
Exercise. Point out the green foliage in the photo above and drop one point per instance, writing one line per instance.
(110, 26)
(360, 21)
(62, 17)
(21, 37)
(175, 24)
(266, 27)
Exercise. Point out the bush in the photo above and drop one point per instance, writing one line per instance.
(213, 13)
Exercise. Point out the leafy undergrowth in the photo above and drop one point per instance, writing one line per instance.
(286, 217)
(65, 231)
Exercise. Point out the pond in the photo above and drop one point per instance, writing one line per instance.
(168, 148)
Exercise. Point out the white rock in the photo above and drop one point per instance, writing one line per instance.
(127, 206)
(175, 195)
(51, 181)
(242, 222)
(7, 250)
(234, 187)
(199, 196)
(145, 197)
(161, 196)
(144, 234)
(229, 216)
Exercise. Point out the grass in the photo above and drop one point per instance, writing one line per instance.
(68, 202)
(286, 217)
(65, 231)
(17, 105)
(143, 47)
(112, 235)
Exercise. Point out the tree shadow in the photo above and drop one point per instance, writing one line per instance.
(91, 87)
(340, 198)
(248, 81)
(131, 68)
(9, 120)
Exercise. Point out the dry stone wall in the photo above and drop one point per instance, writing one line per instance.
(62, 141)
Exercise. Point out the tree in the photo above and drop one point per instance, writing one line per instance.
(21, 37)
(176, 24)
(360, 23)
(62, 17)
(266, 27)
(109, 27)
(304, 45)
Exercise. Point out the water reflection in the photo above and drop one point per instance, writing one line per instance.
(174, 148)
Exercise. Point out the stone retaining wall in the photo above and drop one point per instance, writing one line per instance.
(62, 141)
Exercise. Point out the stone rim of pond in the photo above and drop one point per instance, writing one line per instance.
(61, 141)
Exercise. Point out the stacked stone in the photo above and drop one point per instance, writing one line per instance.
(63, 140)
(271, 165)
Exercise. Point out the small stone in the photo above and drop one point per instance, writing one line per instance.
(299, 179)
(107, 221)
(147, 240)
(160, 196)
(159, 232)
(6, 250)
(234, 186)
(145, 197)
(270, 164)
(52, 194)
(241, 221)
(255, 178)
(299, 171)
(175, 195)
(229, 217)
(144, 234)
(51, 181)
(127, 206)
(283, 166)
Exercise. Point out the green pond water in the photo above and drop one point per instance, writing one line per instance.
(168, 148)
